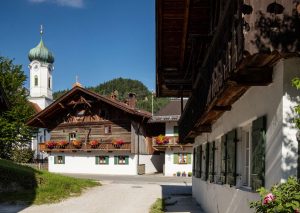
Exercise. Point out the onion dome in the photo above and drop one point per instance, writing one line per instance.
(41, 53)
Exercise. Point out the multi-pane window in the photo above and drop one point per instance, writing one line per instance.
(107, 129)
(72, 136)
(102, 159)
(182, 158)
(59, 159)
(122, 160)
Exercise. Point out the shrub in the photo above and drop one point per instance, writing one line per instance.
(284, 197)
(22, 155)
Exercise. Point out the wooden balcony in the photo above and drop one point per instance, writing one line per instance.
(173, 143)
(108, 147)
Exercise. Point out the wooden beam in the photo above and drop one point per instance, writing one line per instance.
(61, 105)
(42, 122)
(221, 108)
(184, 31)
(203, 128)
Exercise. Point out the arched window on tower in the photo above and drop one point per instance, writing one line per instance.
(49, 82)
(36, 81)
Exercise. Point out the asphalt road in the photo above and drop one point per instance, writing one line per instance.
(118, 194)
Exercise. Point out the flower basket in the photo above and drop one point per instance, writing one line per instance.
(77, 144)
(162, 140)
(62, 144)
(94, 144)
(117, 143)
(50, 144)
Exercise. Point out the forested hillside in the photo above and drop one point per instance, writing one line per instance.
(123, 86)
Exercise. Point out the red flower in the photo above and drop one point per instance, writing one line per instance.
(94, 143)
(268, 199)
(50, 144)
(118, 142)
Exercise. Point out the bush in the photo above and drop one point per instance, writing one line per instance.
(284, 197)
(22, 155)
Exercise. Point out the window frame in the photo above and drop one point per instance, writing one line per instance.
(109, 129)
(36, 80)
(57, 159)
(72, 138)
(246, 138)
(119, 161)
(102, 160)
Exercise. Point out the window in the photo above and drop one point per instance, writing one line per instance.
(72, 136)
(59, 159)
(104, 160)
(175, 130)
(121, 160)
(182, 158)
(36, 80)
(107, 129)
(49, 82)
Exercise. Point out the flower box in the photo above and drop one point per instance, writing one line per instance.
(94, 144)
(77, 144)
(117, 143)
(162, 140)
(50, 144)
(62, 144)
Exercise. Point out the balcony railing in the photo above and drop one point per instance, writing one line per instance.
(168, 142)
(85, 147)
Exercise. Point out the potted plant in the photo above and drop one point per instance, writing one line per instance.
(190, 174)
(161, 140)
(117, 143)
(77, 144)
(50, 144)
(178, 174)
(183, 174)
(94, 144)
(62, 144)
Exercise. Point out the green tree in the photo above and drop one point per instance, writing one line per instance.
(296, 84)
(14, 134)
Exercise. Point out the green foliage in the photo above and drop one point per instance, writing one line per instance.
(158, 206)
(123, 87)
(22, 183)
(296, 84)
(13, 131)
(286, 198)
(22, 155)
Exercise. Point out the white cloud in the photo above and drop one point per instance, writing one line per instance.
(67, 3)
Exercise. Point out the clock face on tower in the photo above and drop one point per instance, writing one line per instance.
(35, 67)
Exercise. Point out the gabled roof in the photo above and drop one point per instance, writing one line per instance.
(171, 112)
(56, 107)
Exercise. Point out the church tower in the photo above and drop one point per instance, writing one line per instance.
(41, 69)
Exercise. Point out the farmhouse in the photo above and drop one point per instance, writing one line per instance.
(235, 60)
(95, 134)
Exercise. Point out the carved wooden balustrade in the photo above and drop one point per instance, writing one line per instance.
(172, 143)
(104, 146)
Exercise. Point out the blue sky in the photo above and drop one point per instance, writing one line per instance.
(98, 40)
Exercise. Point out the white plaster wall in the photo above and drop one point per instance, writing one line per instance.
(276, 102)
(85, 163)
(170, 128)
(153, 163)
(171, 168)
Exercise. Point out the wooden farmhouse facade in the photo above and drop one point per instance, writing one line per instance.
(91, 133)
(234, 60)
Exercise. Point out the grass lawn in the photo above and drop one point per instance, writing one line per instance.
(22, 183)
(158, 206)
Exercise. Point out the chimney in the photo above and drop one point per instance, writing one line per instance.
(132, 99)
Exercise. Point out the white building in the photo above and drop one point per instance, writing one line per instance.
(164, 124)
(41, 69)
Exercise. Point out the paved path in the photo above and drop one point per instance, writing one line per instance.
(118, 194)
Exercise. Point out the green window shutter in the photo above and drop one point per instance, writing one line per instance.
(116, 160)
(175, 158)
(231, 157)
(106, 159)
(206, 161)
(175, 129)
(212, 162)
(258, 152)
(200, 161)
(194, 161)
(55, 159)
(189, 158)
(63, 159)
(97, 159)
(126, 160)
(223, 159)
